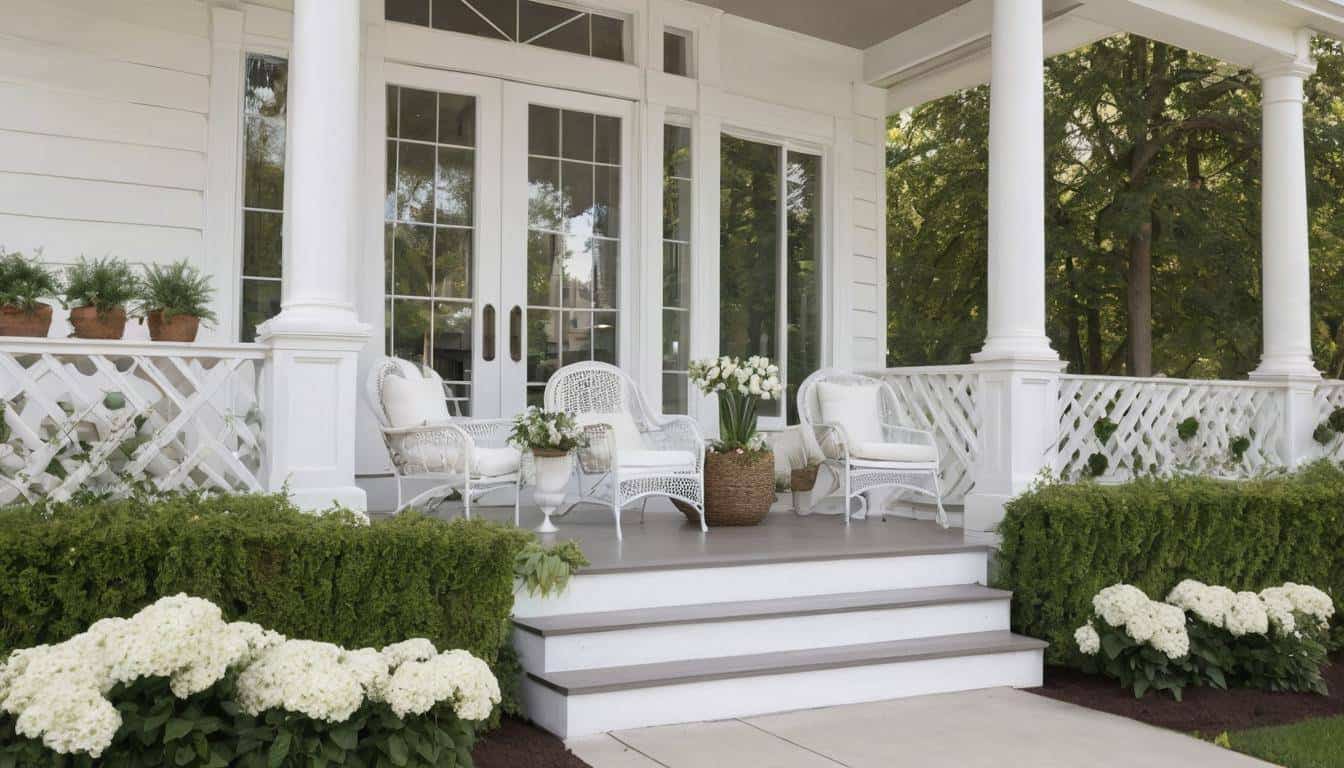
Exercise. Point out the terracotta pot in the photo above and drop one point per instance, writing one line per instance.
(739, 489)
(89, 323)
(16, 322)
(175, 328)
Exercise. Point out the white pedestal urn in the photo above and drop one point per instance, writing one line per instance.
(553, 470)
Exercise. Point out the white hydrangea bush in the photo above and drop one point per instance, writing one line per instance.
(1208, 635)
(58, 694)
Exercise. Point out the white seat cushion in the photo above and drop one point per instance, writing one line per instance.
(493, 462)
(674, 461)
(878, 451)
(410, 402)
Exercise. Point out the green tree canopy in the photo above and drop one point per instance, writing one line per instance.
(1152, 215)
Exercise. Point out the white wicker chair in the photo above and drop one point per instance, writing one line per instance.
(845, 458)
(447, 454)
(664, 456)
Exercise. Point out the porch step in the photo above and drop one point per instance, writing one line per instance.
(740, 581)
(581, 702)
(678, 633)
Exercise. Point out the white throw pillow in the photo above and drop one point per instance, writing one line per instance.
(852, 407)
(413, 402)
(625, 433)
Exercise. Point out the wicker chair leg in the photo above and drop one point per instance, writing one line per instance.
(517, 494)
(616, 513)
(942, 513)
(847, 495)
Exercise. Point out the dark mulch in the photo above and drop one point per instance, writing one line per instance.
(1204, 710)
(516, 744)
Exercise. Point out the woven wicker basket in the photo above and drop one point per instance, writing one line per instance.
(739, 489)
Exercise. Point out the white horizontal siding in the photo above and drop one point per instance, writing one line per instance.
(867, 306)
(103, 111)
(101, 160)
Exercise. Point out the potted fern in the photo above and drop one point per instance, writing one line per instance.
(23, 285)
(174, 300)
(98, 293)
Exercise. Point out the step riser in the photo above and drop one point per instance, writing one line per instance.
(588, 593)
(588, 714)
(677, 642)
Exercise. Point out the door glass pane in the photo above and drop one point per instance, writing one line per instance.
(431, 230)
(573, 244)
(804, 278)
(608, 38)
(676, 265)
(749, 254)
(264, 109)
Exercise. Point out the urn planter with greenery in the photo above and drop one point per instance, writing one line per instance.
(23, 284)
(174, 300)
(98, 293)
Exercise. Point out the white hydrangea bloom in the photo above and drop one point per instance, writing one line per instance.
(1279, 608)
(456, 676)
(370, 668)
(1117, 603)
(301, 676)
(1210, 604)
(1246, 615)
(1173, 643)
(1089, 642)
(1311, 601)
(415, 649)
(69, 717)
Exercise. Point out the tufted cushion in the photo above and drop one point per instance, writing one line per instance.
(410, 402)
(676, 461)
(493, 462)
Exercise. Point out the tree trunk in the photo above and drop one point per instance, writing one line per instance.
(1139, 302)
(1095, 364)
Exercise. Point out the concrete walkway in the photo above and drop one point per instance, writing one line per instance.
(992, 728)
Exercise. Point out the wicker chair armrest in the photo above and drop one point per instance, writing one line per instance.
(678, 433)
(895, 433)
(600, 452)
(412, 447)
(487, 433)
(831, 436)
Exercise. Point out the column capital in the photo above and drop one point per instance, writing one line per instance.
(1300, 68)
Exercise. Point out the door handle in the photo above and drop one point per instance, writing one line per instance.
(516, 333)
(488, 333)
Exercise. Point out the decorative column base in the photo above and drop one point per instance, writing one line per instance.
(1018, 399)
(310, 400)
(1299, 418)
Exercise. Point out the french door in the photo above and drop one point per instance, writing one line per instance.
(509, 233)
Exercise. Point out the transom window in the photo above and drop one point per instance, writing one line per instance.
(429, 213)
(769, 251)
(549, 25)
(264, 96)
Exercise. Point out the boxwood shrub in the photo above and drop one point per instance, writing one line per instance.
(1063, 543)
(260, 559)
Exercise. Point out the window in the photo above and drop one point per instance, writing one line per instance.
(264, 97)
(430, 218)
(676, 266)
(558, 27)
(769, 251)
(676, 52)
(573, 241)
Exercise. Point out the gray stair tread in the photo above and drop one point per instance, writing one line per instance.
(586, 681)
(605, 621)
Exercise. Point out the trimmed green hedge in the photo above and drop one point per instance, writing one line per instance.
(1063, 543)
(260, 559)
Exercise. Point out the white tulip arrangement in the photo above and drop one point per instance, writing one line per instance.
(740, 385)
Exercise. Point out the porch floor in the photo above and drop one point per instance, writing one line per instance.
(666, 540)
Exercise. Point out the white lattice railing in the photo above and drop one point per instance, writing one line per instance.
(942, 400)
(1147, 412)
(1329, 397)
(104, 416)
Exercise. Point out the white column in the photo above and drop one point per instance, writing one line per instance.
(315, 340)
(1285, 253)
(1018, 389)
(1016, 311)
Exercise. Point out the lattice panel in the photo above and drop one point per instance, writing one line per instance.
(1147, 412)
(942, 400)
(87, 417)
(1329, 396)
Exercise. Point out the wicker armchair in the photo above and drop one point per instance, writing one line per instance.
(903, 457)
(470, 456)
(633, 451)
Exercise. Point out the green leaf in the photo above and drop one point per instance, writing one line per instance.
(279, 749)
(346, 737)
(396, 750)
(176, 729)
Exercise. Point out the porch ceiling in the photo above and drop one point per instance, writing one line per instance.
(856, 23)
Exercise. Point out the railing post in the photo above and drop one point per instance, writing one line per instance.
(1018, 401)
